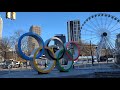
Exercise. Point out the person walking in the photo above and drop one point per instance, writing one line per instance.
(73, 66)
(45, 64)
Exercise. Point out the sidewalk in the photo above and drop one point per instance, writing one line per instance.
(13, 69)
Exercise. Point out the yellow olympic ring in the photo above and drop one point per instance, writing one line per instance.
(36, 66)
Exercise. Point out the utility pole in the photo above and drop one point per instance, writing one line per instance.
(91, 54)
(72, 50)
(106, 55)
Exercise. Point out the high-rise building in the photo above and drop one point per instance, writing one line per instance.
(73, 30)
(117, 46)
(32, 42)
(35, 29)
(1, 27)
(61, 37)
(118, 42)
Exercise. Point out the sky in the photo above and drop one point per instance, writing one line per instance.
(51, 23)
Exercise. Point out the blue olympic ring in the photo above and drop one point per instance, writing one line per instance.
(40, 42)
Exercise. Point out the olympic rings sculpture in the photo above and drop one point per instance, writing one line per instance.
(62, 53)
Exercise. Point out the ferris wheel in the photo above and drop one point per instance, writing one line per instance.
(101, 30)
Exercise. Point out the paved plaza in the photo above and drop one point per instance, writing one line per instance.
(85, 71)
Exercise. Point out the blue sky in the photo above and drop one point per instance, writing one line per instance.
(51, 23)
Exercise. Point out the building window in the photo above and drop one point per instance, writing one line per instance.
(119, 40)
(75, 25)
(74, 28)
(74, 32)
(75, 39)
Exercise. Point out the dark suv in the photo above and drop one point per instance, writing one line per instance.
(103, 58)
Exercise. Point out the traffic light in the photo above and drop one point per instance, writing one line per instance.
(13, 15)
(8, 15)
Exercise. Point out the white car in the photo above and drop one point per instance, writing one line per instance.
(2, 63)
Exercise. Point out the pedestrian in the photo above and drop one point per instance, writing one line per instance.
(45, 64)
(92, 61)
(39, 73)
(73, 66)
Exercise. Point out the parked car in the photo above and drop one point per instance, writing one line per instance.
(6, 66)
(103, 58)
(2, 64)
(110, 59)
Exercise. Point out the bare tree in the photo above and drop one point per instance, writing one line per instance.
(5, 46)
(14, 42)
(85, 48)
(15, 37)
